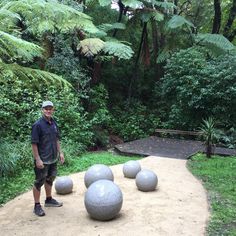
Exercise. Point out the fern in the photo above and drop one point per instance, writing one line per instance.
(104, 3)
(33, 77)
(216, 43)
(165, 5)
(133, 3)
(108, 27)
(118, 49)
(42, 16)
(163, 56)
(8, 20)
(178, 22)
(91, 46)
(12, 48)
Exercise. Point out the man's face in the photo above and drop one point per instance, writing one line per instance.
(48, 111)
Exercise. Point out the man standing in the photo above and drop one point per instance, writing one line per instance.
(46, 149)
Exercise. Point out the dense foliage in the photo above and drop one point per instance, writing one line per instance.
(197, 86)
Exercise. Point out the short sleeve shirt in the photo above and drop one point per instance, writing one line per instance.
(45, 134)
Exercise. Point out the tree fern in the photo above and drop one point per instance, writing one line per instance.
(12, 48)
(32, 77)
(104, 3)
(91, 46)
(216, 43)
(118, 49)
(178, 21)
(133, 3)
(165, 5)
(42, 16)
(8, 20)
(108, 27)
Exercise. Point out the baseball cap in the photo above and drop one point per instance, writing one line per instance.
(47, 104)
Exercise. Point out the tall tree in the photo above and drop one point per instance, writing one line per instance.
(217, 17)
(230, 32)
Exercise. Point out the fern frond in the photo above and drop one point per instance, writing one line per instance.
(178, 22)
(163, 56)
(165, 5)
(8, 20)
(41, 16)
(104, 3)
(216, 43)
(32, 77)
(91, 46)
(132, 3)
(118, 49)
(12, 48)
(107, 27)
(157, 16)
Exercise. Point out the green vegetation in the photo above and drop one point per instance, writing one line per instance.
(13, 185)
(218, 176)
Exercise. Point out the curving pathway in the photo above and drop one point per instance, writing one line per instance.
(178, 207)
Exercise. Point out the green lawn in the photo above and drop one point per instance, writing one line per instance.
(10, 187)
(218, 175)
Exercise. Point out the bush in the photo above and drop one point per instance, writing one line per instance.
(195, 88)
(133, 121)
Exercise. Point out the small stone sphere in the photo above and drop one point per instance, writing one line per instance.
(146, 180)
(97, 172)
(103, 200)
(64, 185)
(131, 169)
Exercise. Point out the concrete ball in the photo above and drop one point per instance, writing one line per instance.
(146, 180)
(131, 169)
(97, 172)
(103, 200)
(63, 185)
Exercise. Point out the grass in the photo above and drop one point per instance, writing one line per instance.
(11, 187)
(218, 175)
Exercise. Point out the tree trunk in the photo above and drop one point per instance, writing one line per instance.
(230, 35)
(134, 76)
(217, 17)
(121, 10)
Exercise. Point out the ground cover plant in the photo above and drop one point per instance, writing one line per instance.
(11, 186)
(218, 175)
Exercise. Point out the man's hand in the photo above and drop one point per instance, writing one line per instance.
(39, 163)
(62, 159)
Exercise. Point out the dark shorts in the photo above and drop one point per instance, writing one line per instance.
(47, 174)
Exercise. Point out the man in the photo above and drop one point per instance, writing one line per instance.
(46, 149)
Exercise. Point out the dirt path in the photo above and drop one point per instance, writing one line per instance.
(178, 207)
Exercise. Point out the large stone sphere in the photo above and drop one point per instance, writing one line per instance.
(146, 180)
(131, 169)
(97, 172)
(103, 200)
(64, 185)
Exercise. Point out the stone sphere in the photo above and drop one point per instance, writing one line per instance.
(146, 180)
(131, 169)
(97, 172)
(64, 185)
(103, 200)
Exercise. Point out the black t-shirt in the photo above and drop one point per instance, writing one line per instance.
(45, 135)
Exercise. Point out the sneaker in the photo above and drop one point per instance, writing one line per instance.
(52, 203)
(38, 210)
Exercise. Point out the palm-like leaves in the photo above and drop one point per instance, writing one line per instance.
(92, 46)
(178, 21)
(32, 77)
(12, 48)
(216, 43)
(49, 16)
